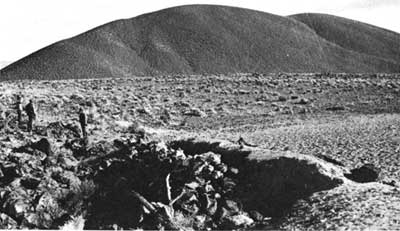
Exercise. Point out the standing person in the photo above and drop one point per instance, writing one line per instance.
(3, 116)
(83, 121)
(30, 111)
(18, 107)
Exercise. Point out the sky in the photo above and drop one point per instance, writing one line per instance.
(29, 25)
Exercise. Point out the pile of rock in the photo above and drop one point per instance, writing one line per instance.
(188, 191)
(38, 188)
(133, 182)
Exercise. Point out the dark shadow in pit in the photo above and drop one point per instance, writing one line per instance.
(268, 186)
(115, 204)
(272, 187)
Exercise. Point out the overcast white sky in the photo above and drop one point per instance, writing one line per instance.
(28, 25)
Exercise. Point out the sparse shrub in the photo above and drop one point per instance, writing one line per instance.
(282, 98)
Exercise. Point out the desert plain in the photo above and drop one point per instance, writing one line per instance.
(174, 141)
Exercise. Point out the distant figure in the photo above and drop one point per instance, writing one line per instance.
(18, 107)
(30, 111)
(2, 116)
(83, 121)
(240, 142)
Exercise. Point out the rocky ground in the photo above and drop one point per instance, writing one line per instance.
(162, 152)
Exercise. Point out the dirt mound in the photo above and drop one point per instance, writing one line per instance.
(198, 39)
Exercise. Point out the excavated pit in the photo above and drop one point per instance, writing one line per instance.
(137, 181)
(258, 186)
(270, 182)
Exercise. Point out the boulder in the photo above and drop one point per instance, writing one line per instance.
(364, 174)
(238, 221)
(76, 223)
(303, 101)
(59, 130)
(31, 220)
(72, 128)
(9, 172)
(66, 178)
(30, 182)
(6, 222)
(232, 206)
(46, 202)
(18, 208)
(282, 98)
(196, 112)
(336, 108)
(68, 162)
(255, 215)
(44, 146)
(78, 98)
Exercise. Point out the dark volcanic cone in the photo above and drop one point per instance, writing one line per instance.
(198, 39)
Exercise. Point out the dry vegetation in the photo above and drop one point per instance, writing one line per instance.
(292, 118)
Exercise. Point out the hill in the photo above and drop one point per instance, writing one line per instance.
(354, 36)
(3, 64)
(204, 39)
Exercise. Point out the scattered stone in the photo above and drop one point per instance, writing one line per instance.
(255, 215)
(67, 178)
(76, 223)
(234, 170)
(44, 146)
(68, 162)
(282, 98)
(78, 98)
(9, 172)
(144, 110)
(30, 182)
(330, 160)
(59, 131)
(18, 208)
(303, 101)
(391, 183)
(32, 220)
(232, 206)
(196, 112)
(238, 221)
(336, 108)
(6, 222)
(123, 124)
(73, 128)
(211, 111)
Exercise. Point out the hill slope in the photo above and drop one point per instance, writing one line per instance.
(353, 35)
(3, 64)
(198, 39)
